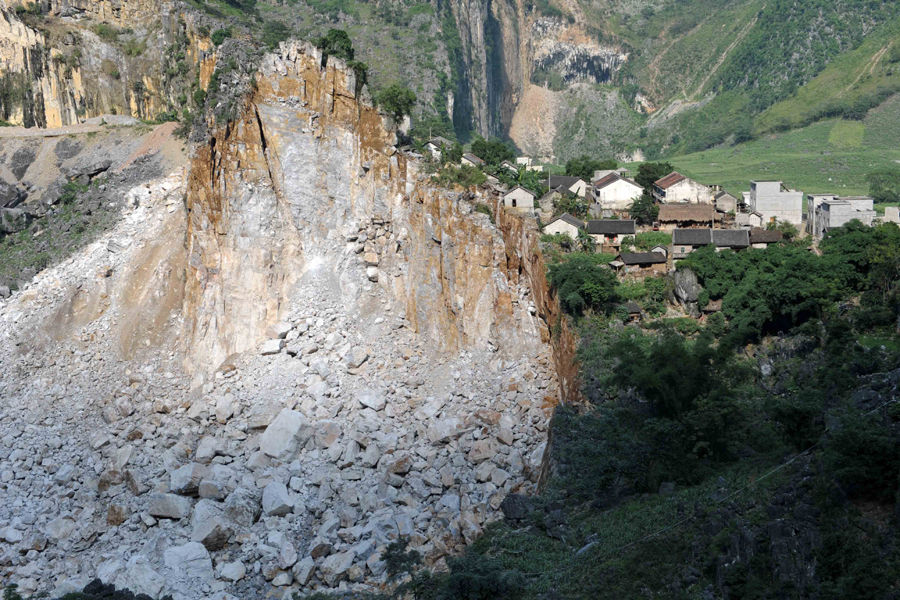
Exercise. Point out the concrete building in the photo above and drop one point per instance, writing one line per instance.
(615, 193)
(565, 224)
(725, 202)
(891, 214)
(520, 200)
(827, 211)
(775, 202)
(675, 187)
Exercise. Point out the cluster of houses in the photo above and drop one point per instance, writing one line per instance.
(696, 214)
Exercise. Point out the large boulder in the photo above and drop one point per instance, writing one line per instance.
(13, 220)
(276, 500)
(242, 506)
(140, 577)
(186, 479)
(189, 560)
(288, 432)
(209, 526)
(10, 195)
(335, 567)
(687, 290)
(169, 506)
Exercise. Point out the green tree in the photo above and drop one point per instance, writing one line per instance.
(644, 210)
(650, 172)
(585, 241)
(583, 282)
(884, 185)
(397, 99)
(584, 166)
(492, 151)
(220, 35)
(336, 43)
(572, 204)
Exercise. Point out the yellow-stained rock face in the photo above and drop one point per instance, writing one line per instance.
(57, 70)
(293, 186)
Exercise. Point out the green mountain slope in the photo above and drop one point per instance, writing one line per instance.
(834, 155)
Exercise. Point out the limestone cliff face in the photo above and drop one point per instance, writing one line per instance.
(512, 56)
(57, 70)
(308, 182)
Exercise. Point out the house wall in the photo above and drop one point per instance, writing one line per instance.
(640, 271)
(560, 226)
(608, 240)
(524, 201)
(618, 195)
(688, 190)
(681, 250)
(726, 204)
(579, 188)
(767, 199)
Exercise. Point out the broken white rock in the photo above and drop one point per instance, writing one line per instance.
(335, 567)
(285, 434)
(189, 560)
(371, 400)
(276, 500)
(270, 347)
(232, 571)
(169, 506)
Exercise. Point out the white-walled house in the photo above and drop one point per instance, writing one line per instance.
(827, 211)
(775, 202)
(436, 145)
(565, 224)
(470, 160)
(519, 199)
(675, 187)
(568, 183)
(614, 192)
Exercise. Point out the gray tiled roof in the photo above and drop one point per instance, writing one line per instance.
(692, 237)
(611, 227)
(731, 238)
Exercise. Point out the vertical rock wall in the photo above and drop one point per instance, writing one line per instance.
(285, 189)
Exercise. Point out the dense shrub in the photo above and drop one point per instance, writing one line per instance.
(396, 99)
(584, 166)
(583, 283)
(492, 151)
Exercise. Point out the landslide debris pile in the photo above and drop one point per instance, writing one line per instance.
(356, 402)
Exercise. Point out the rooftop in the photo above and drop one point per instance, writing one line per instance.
(669, 180)
(567, 218)
(611, 178)
(699, 213)
(611, 227)
(692, 237)
(642, 258)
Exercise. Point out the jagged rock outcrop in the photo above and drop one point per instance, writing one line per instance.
(59, 67)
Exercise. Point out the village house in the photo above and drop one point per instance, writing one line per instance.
(601, 173)
(436, 145)
(685, 241)
(775, 202)
(761, 238)
(520, 200)
(614, 193)
(675, 187)
(565, 224)
(568, 183)
(509, 167)
(685, 216)
(827, 211)
(749, 220)
(470, 160)
(608, 233)
(640, 264)
(725, 202)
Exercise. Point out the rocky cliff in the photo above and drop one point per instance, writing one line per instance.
(276, 364)
(65, 61)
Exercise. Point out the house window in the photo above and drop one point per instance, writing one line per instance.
(514, 202)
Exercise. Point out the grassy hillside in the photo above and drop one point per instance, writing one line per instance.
(830, 156)
(853, 80)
